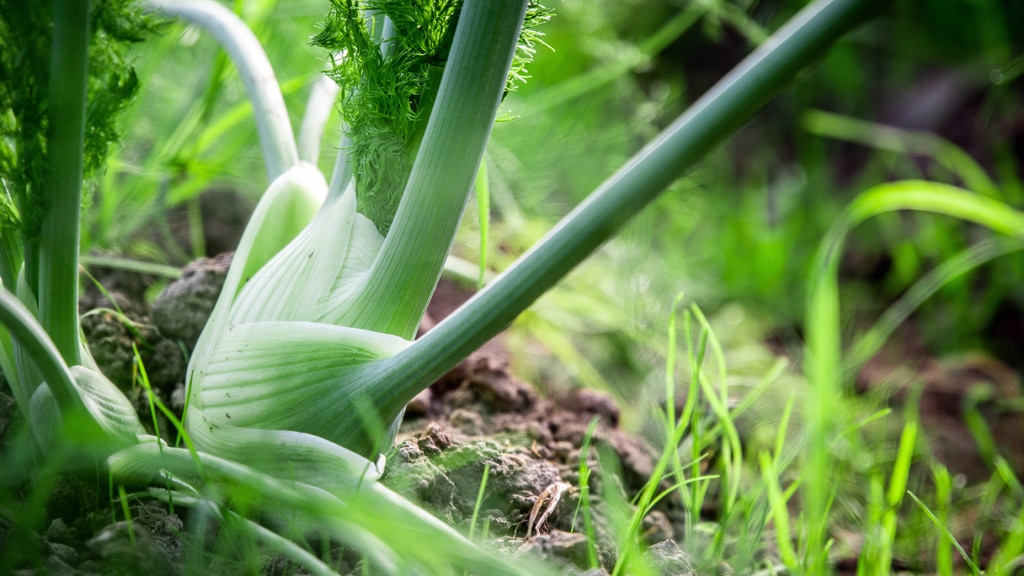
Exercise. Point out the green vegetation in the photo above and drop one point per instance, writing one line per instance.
(833, 237)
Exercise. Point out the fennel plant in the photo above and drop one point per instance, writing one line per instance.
(300, 378)
(328, 320)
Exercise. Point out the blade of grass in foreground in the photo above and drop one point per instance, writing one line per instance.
(868, 344)
(675, 430)
(946, 542)
(945, 567)
(779, 511)
(894, 497)
(1007, 560)
(823, 364)
(584, 500)
(366, 523)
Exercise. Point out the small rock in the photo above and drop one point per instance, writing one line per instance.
(165, 528)
(538, 432)
(414, 475)
(434, 439)
(89, 567)
(182, 309)
(657, 528)
(70, 496)
(111, 336)
(467, 421)
(55, 565)
(588, 403)
(166, 365)
(128, 548)
(131, 301)
(570, 547)
(64, 553)
(110, 343)
(59, 533)
(278, 566)
(442, 470)
(668, 558)
(563, 451)
(496, 387)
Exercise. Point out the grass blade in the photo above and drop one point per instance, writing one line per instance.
(946, 534)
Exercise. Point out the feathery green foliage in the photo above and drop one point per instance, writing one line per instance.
(388, 57)
(112, 79)
(25, 41)
(24, 75)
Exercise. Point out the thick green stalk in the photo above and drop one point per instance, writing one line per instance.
(409, 265)
(58, 245)
(364, 516)
(710, 120)
(30, 335)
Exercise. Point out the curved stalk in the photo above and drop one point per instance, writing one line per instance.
(314, 121)
(276, 137)
(32, 338)
(708, 121)
(364, 517)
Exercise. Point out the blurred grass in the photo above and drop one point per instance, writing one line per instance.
(192, 128)
(741, 227)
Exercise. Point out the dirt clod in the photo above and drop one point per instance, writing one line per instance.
(668, 558)
(181, 311)
(479, 416)
(443, 469)
(567, 547)
(128, 548)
